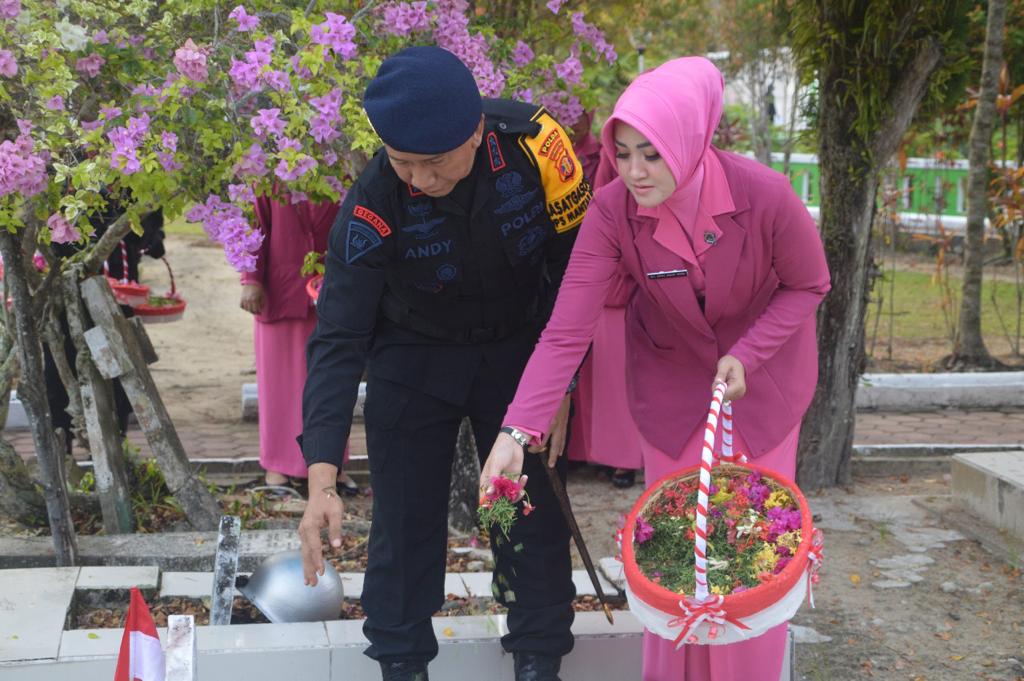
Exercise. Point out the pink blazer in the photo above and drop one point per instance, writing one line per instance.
(290, 231)
(765, 277)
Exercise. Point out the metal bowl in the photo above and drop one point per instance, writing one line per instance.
(278, 589)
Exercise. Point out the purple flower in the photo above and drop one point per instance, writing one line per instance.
(110, 112)
(565, 108)
(137, 127)
(335, 33)
(8, 65)
(10, 9)
(191, 61)
(89, 126)
(570, 70)
(643, 531)
(277, 80)
(245, 74)
(25, 127)
(335, 184)
(330, 158)
(61, 231)
(246, 21)
(241, 193)
(169, 141)
(291, 172)
(288, 143)
(522, 55)
(267, 120)
(403, 18)
(100, 37)
(125, 160)
(299, 70)
(525, 95)
(55, 103)
(90, 66)
(253, 163)
(297, 197)
(328, 104)
(136, 40)
(168, 162)
(594, 37)
(322, 130)
(21, 169)
(554, 5)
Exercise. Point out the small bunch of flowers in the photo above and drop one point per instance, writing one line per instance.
(753, 532)
(498, 503)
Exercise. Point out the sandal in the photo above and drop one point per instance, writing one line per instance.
(624, 478)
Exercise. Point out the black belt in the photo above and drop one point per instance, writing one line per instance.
(396, 311)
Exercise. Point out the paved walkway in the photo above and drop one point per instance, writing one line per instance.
(233, 440)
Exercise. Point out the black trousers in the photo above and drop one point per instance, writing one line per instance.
(411, 443)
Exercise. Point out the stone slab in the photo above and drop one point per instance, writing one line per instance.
(33, 607)
(173, 551)
(119, 577)
(186, 584)
(991, 484)
(922, 392)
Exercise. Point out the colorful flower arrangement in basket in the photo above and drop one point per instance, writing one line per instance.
(716, 558)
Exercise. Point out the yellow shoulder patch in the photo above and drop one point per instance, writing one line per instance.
(567, 193)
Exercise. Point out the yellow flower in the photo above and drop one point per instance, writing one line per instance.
(721, 496)
(717, 590)
(778, 498)
(790, 540)
(765, 559)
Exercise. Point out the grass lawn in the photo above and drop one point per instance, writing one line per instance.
(917, 310)
(180, 226)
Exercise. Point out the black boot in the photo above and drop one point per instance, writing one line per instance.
(404, 671)
(537, 667)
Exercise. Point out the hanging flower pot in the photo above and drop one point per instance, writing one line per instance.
(130, 293)
(716, 554)
(169, 307)
(313, 286)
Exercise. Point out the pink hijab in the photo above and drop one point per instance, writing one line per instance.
(677, 107)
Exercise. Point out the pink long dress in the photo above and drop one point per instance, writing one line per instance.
(283, 326)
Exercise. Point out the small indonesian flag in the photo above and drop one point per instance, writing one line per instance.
(141, 658)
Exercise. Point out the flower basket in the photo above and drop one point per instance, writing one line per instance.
(695, 615)
(169, 307)
(313, 286)
(130, 293)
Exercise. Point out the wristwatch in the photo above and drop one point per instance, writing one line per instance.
(519, 436)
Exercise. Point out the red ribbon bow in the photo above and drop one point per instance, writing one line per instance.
(696, 612)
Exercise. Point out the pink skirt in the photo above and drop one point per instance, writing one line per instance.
(280, 376)
(603, 430)
(759, 659)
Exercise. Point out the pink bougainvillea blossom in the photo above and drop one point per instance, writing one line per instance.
(253, 163)
(8, 64)
(55, 103)
(190, 61)
(169, 141)
(62, 231)
(10, 9)
(267, 120)
(22, 170)
(110, 112)
(100, 37)
(90, 66)
(522, 54)
(403, 18)
(570, 70)
(246, 21)
(594, 37)
(335, 33)
(168, 162)
(554, 5)
(290, 172)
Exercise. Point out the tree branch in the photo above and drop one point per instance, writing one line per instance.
(906, 94)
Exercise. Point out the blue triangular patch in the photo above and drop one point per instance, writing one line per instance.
(361, 240)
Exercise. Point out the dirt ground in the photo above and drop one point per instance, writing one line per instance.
(964, 619)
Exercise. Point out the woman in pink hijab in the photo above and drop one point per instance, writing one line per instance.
(727, 270)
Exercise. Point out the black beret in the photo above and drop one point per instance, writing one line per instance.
(423, 100)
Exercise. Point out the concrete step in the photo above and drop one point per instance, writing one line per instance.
(991, 485)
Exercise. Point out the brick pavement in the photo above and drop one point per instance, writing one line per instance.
(233, 440)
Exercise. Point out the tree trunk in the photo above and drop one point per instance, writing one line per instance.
(969, 350)
(19, 498)
(463, 497)
(849, 181)
(32, 393)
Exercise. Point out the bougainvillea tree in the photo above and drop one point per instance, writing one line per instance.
(196, 107)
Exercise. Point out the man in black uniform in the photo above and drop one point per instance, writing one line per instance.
(442, 267)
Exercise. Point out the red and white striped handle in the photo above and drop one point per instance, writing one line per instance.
(709, 460)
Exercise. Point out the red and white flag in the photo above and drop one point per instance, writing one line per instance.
(141, 657)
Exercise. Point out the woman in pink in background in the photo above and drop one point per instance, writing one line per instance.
(729, 270)
(275, 293)
(602, 429)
